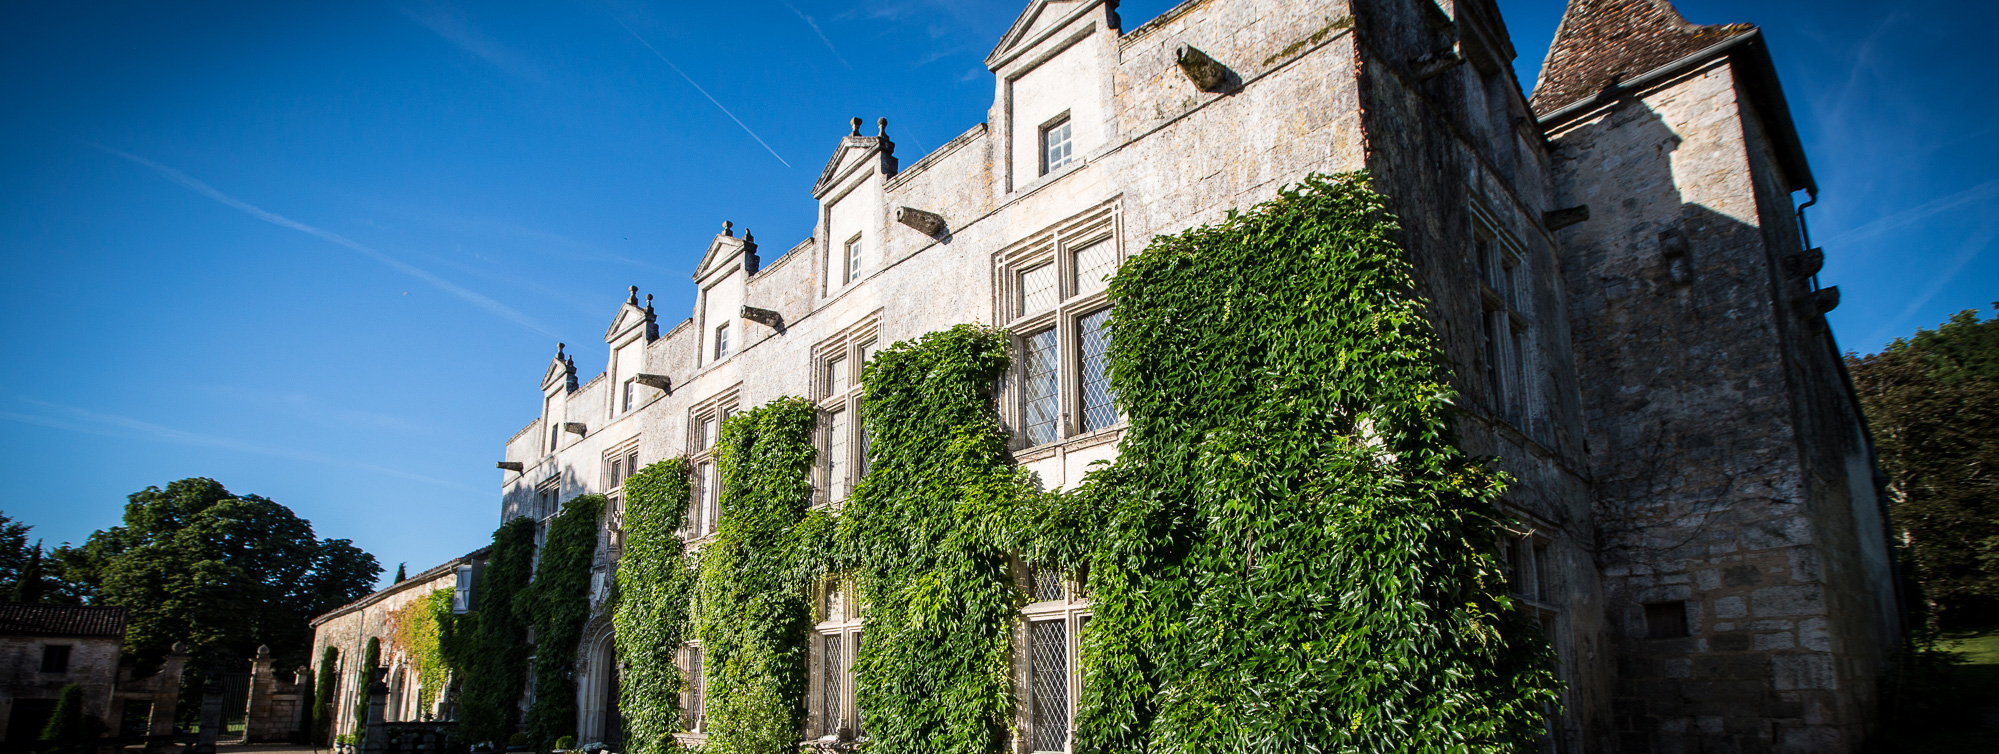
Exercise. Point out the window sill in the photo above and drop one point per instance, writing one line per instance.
(1083, 441)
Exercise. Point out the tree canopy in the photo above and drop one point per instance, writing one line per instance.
(1932, 402)
(224, 573)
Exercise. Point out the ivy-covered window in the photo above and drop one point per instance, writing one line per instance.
(843, 443)
(1053, 299)
(1052, 619)
(836, 641)
(693, 707)
(704, 497)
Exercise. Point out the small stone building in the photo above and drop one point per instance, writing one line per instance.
(1617, 265)
(348, 629)
(46, 647)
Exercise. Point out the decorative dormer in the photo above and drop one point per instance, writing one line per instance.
(631, 331)
(851, 217)
(1052, 70)
(723, 277)
(556, 385)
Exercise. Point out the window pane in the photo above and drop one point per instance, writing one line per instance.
(836, 456)
(1037, 289)
(860, 714)
(1037, 387)
(829, 685)
(1048, 686)
(1045, 584)
(707, 438)
(692, 715)
(1099, 400)
(1493, 359)
(836, 376)
(1055, 147)
(1094, 265)
(853, 260)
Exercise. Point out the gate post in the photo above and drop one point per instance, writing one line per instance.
(211, 712)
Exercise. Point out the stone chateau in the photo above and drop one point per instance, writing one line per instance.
(1617, 263)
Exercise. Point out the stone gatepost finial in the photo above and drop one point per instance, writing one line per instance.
(728, 229)
(882, 124)
(263, 651)
(857, 125)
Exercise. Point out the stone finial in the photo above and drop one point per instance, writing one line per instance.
(558, 350)
(648, 302)
(728, 229)
(857, 126)
(881, 124)
(633, 299)
(749, 237)
(263, 651)
(179, 648)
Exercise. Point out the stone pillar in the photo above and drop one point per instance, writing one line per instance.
(257, 716)
(166, 692)
(376, 738)
(211, 713)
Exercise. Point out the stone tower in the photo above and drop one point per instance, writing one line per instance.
(1749, 590)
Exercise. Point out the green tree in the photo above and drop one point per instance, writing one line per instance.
(1932, 403)
(222, 572)
(27, 572)
(28, 587)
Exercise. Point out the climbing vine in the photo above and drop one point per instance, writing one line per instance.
(364, 678)
(414, 631)
(488, 647)
(1290, 552)
(655, 589)
(926, 538)
(323, 689)
(751, 596)
(559, 606)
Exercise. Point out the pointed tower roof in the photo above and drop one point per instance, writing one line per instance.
(1602, 42)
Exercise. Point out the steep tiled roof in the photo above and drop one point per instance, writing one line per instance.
(30, 619)
(1603, 41)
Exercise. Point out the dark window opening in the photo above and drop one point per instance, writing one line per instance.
(55, 658)
(1666, 620)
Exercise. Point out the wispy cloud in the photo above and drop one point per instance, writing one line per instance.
(502, 310)
(822, 35)
(1918, 213)
(704, 92)
(1970, 250)
(453, 27)
(84, 421)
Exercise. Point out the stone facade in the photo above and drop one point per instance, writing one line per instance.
(1657, 377)
(44, 648)
(348, 629)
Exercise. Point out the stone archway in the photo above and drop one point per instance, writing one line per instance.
(597, 687)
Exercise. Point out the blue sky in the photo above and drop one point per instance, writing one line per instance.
(322, 251)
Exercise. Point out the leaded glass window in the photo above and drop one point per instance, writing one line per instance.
(1099, 400)
(1038, 387)
(1048, 686)
(1037, 289)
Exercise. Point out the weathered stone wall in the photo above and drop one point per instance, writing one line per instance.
(1715, 434)
(93, 664)
(348, 630)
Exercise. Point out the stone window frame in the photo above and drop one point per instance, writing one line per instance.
(852, 259)
(1533, 540)
(694, 671)
(706, 487)
(548, 503)
(1072, 609)
(58, 655)
(837, 616)
(847, 350)
(1057, 245)
(1043, 146)
(619, 464)
(721, 341)
(1503, 281)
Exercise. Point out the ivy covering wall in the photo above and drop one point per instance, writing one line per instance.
(487, 647)
(926, 539)
(558, 603)
(414, 632)
(1290, 552)
(752, 611)
(364, 677)
(655, 590)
